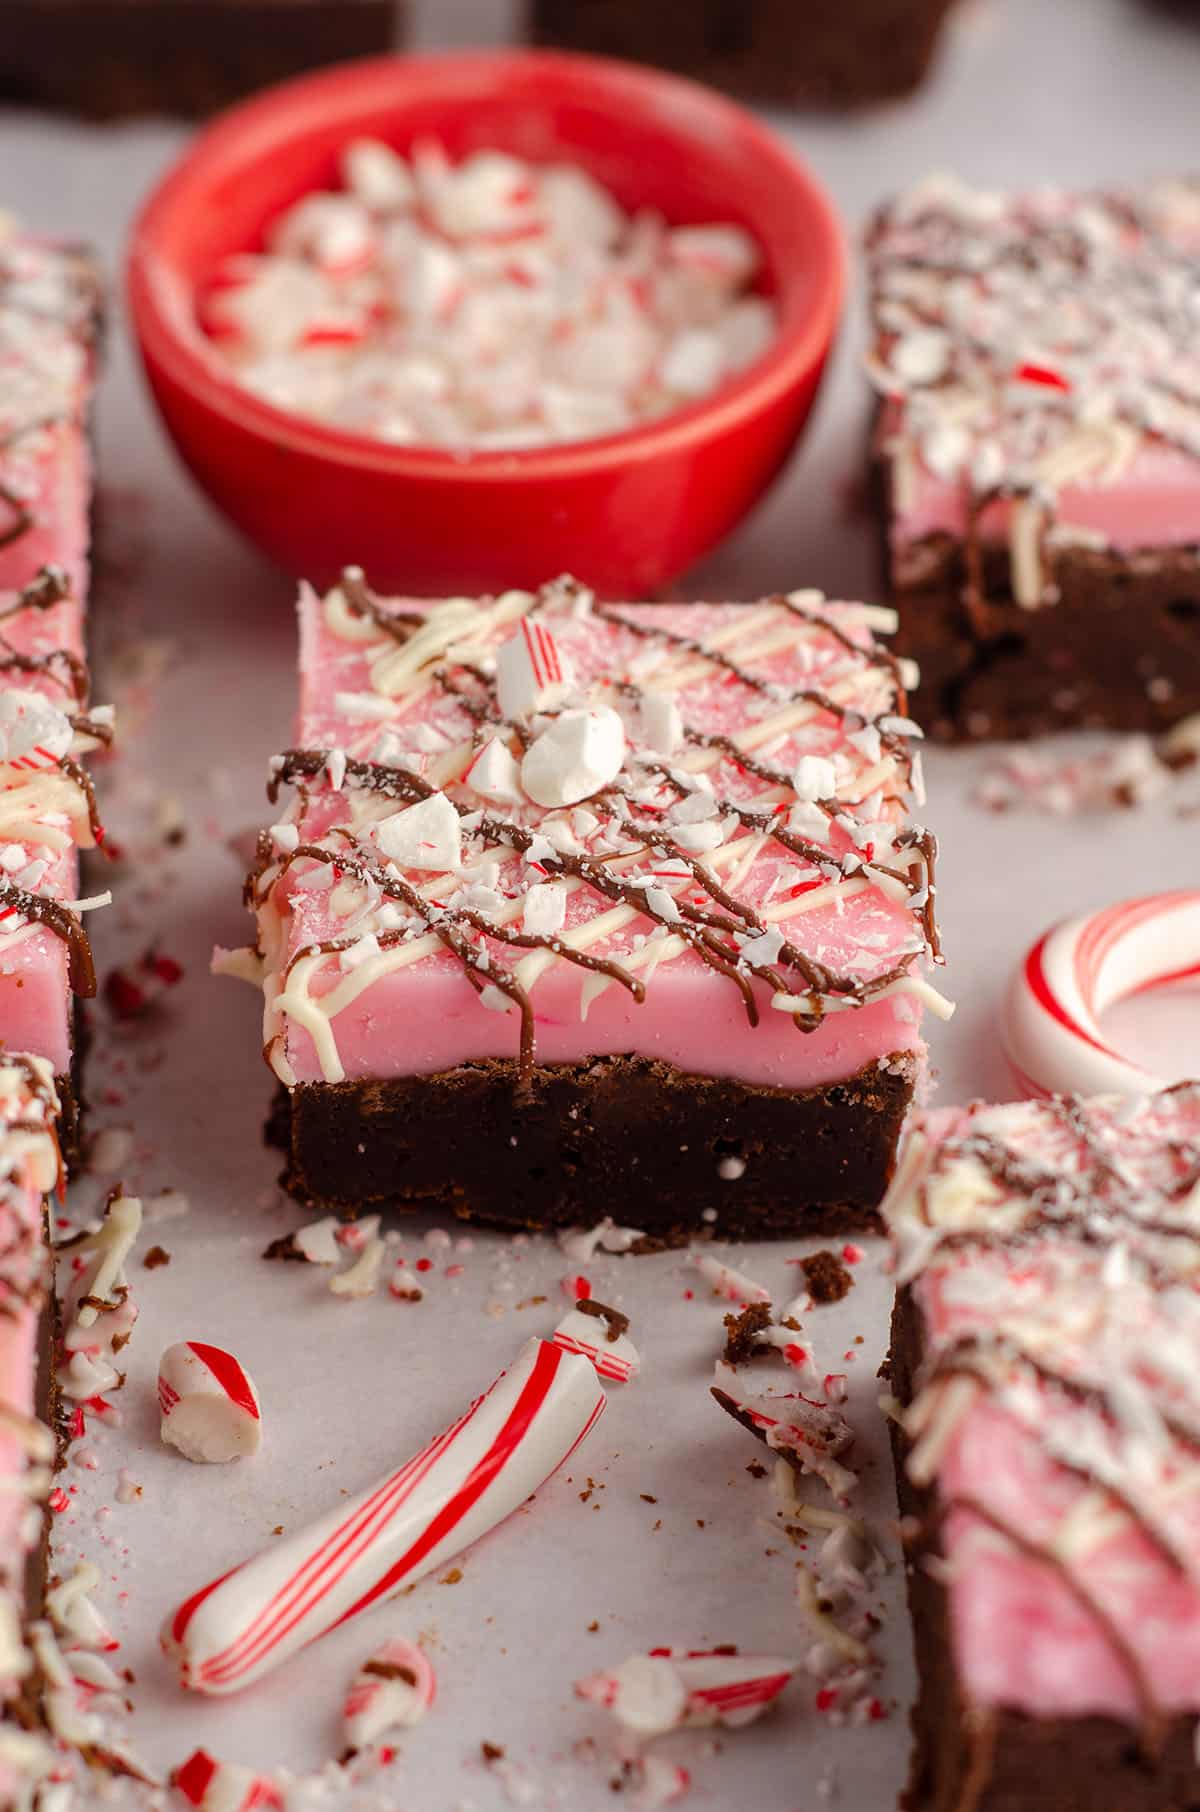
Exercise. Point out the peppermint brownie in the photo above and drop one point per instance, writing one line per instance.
(1038, 442)
(577, 903)
(1045, 1354)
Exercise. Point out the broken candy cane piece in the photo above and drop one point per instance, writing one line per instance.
(807, 1435)
(209, 1405)
(494, 773)
(660, 1782)
(425, 835)
(726, 1281)
(599, 1334)
(673, 1689)
(213, 1786)
(391, 1691)
(98, 1310)
(532, 671)
(455, 1490)
(581, 752)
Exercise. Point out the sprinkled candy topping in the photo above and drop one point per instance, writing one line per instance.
(490, 304)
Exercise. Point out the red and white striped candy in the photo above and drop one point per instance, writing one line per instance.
(1079, 969)
(618, 1360)
(447, 1496)
(214, 1786)
(208, 1403)
(391, 1691)
(671, 1689)
(735, 1286)
(532, 672)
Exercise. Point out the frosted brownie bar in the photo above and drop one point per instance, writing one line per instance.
(1046, 1354)
(48, 322)
(577, 904)
(1038, 437)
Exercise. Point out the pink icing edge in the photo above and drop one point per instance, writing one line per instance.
(1154, 502)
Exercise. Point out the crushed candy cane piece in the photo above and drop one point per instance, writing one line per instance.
(391, 1691)
(673, 1689)
(599, 1334)
(208, 1404)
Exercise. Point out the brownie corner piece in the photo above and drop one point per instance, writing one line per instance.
(1046, 1251)
(189, 57)
(849, 55)
(1036, 447)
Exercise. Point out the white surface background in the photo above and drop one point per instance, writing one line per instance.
(196, 640)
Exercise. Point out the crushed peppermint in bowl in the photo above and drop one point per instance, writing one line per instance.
(487, 315)
(492, 304)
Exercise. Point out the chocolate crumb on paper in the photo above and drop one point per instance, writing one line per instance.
(827, 1278)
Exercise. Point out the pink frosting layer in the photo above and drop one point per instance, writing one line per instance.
(1154, 502)
(427, 1017)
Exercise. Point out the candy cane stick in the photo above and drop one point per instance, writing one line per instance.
(1077, 970)
(455, 1490)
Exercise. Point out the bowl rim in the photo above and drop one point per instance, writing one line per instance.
(185, 356)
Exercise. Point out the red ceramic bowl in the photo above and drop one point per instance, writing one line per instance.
(626, 513)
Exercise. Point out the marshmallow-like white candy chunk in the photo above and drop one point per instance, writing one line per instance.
(391, 1691)
(581, 752)
(425, 835)
(693, 362)
(488, 193)
(33, 731)
(577, 210)
(814, 777)
(274, 303)
(334, 231)
(495, 774)
(208, 1403)
(662, 722)
(532, 670)
(377, 176)
(545, 910)
(433, 281)
(725, 256)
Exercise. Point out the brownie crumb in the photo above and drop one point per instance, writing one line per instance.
(756, 1470)
(647, 1499)
(452, 1577)
(616, 1324)
(156, 1257)
(740, 1342)
(285, 1247)
(492, 1752)
(827, 1278)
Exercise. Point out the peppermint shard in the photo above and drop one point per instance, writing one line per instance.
(1038, 438)
(1046, 1361)
(576, 903)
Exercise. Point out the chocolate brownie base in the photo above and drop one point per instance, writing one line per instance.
(620, 1136)
(1119, 649)
(975, 1758)
(108, 58)
(826, 53)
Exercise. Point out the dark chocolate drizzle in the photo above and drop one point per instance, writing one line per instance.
(65, 924)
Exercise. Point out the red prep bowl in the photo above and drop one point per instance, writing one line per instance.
(626, 513)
